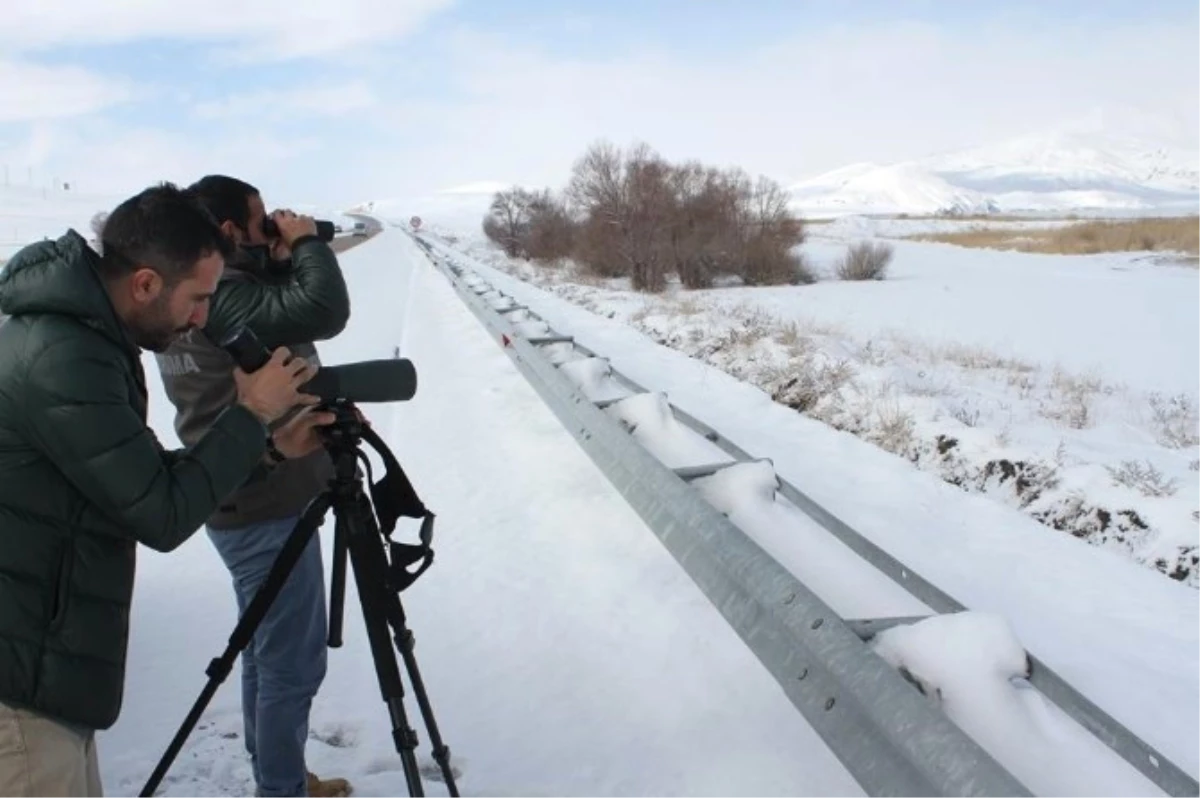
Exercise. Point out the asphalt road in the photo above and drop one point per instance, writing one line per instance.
(342, 243)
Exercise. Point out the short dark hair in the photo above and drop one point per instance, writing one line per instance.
(227, 198)
(165, 228)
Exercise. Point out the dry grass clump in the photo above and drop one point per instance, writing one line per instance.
(1167, 234)
(1147, 480)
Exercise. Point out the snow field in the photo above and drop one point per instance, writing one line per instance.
(1063, 386)
(1090, 614)
(622, 604)
(972, 663)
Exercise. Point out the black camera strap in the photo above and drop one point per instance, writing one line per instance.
(394, 496)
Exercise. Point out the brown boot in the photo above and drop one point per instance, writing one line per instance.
(328, 788)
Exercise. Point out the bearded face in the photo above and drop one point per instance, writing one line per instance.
(155, 326)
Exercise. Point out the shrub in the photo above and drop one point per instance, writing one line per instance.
(865, 260)
(551, 234)
(632, 214)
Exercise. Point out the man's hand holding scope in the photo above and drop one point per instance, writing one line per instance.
(271, 391)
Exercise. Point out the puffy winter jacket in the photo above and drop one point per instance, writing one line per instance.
(291, 307)
(82, 481)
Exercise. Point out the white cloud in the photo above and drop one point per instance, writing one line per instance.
(100, 158)
(330, 100)
(812, 102)
(488, 187)
(263, 29)
(30, 92)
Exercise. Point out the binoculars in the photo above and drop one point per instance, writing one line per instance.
(325, 229)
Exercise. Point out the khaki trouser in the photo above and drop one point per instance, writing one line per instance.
(39, 756)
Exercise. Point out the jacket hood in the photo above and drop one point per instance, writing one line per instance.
(60, 277)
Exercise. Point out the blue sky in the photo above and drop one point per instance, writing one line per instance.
(326, 103)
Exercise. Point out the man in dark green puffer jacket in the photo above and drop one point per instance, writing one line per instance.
(82, 477)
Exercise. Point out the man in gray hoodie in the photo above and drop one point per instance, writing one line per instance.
(291, 303)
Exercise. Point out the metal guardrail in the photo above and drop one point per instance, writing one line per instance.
(1137, 752)
(885, 733)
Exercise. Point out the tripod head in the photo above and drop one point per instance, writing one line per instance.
(345, 433)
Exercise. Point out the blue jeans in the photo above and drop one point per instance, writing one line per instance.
(283, 666)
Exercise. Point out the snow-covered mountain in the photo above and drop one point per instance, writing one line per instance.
(1066, 169)
(905, 187)
(1071, 161)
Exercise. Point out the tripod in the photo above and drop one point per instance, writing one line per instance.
(358, 537)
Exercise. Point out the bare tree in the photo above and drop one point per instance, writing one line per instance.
(626, 203)
(596, 245)
(596, 193)
(632, 214)
(551, 229)
(687, 183)
(703, 230)
(507, 222)
(650, 206)
(596, 184)
(772, 231)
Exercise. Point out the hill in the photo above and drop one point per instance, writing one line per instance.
(1057, 171)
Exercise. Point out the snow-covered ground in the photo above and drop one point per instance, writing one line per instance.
(1063, 386)
(1092, 615)
(565, 652)
(551, 609)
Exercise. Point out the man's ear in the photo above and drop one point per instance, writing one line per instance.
(231, 231)
(146, 284)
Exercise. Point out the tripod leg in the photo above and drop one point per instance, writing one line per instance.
(370, 575)
(405, 642)
(337, 585)
(243, 633)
